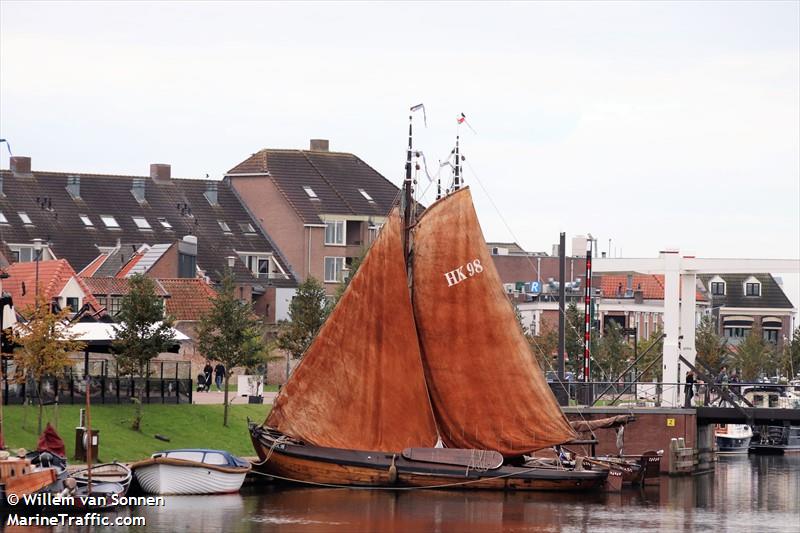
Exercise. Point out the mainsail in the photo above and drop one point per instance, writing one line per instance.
(487, 392)
(360, 385)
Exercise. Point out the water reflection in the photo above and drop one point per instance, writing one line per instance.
(746, 493)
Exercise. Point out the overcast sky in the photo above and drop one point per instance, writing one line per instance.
(652, 124)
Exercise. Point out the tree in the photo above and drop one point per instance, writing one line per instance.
(573, 338)
(655, 371)
(45, 347)
(712, 350)
(307, 312)
(789, 362)
(544, 345)
(142, 333)
(753, 355)
(231, 333)
(613, 351)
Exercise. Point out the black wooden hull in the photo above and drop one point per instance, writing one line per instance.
(300, 463)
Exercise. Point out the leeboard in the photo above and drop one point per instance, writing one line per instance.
(477, 459)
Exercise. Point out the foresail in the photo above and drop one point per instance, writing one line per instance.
(360, 385)
(486, 389)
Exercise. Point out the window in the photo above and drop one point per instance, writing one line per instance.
(114, 305)
(309, 191)
(334, 269)
(86, 220)
(752, 289)
(3, 219)
(73, 304)
(24, 218)
(165, 223)
(224, 226)
(187, 265)
(109, 221)
(334, 232)
(24, 253)
(260, 265)
(141, 222)
(247, 227)
(771, 335)
(365, 195)
(718, 288)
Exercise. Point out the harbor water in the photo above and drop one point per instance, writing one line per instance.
(755, 493)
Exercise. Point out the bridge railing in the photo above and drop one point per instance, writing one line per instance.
(672, 394)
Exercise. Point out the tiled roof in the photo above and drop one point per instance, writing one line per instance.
(91, 268)
(189, 298)
(53, 277)
(651, 285)
(180, 202)
(116, 286)
(522, 268)
(772, 296)
(335, 177)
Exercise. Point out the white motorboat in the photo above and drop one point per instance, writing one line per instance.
(733, 438)
(191, 471)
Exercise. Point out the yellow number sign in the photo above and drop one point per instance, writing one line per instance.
(670, 422)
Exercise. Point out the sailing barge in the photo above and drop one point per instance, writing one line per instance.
(421, 377)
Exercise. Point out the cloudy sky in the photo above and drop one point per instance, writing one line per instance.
(651, 124)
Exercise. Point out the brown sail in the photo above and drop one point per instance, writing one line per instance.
(487, 392)
(360, 385)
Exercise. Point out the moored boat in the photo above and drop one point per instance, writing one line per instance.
(105, 473)
(733, 438)
(776, 440)
(421, 376)
(19, 478)
(191, 471)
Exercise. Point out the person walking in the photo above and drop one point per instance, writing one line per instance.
(688, 389)
(219, 375)
(722, 380)
(207, 371)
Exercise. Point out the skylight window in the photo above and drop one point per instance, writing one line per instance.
(109, 221)
(366, 195)
(164, 222)
(141, 222)
(3, 219)
(86, 220)
(247, 227)
(224, 225)
(25, 218)
(309, 191)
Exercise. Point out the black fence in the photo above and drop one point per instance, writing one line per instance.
(166, 382)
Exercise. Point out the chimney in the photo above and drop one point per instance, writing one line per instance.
(74, 186)
(211, 193)
(160, 172)
(20, 164)
(319, 145)
(137, 190)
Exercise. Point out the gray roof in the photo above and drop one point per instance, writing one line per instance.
(772, 296)
(335, 177)
(180, 202)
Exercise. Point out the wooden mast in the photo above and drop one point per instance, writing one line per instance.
(408, 196)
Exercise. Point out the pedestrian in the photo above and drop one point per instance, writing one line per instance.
(722, 380)
(219, 372)
(735, 387)
(688, 389)
(207, 370)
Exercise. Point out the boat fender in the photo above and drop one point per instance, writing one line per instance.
(161, 437)
(393, 471)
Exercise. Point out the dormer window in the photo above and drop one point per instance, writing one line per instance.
(366, 196)
(25, 218)
(141, 223)
(86, 221)
(310, 192)
(717, 286)
(224, 226)
(752, 287)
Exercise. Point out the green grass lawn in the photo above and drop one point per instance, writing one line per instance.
(187, 426)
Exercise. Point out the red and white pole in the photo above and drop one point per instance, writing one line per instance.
(587, 307)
